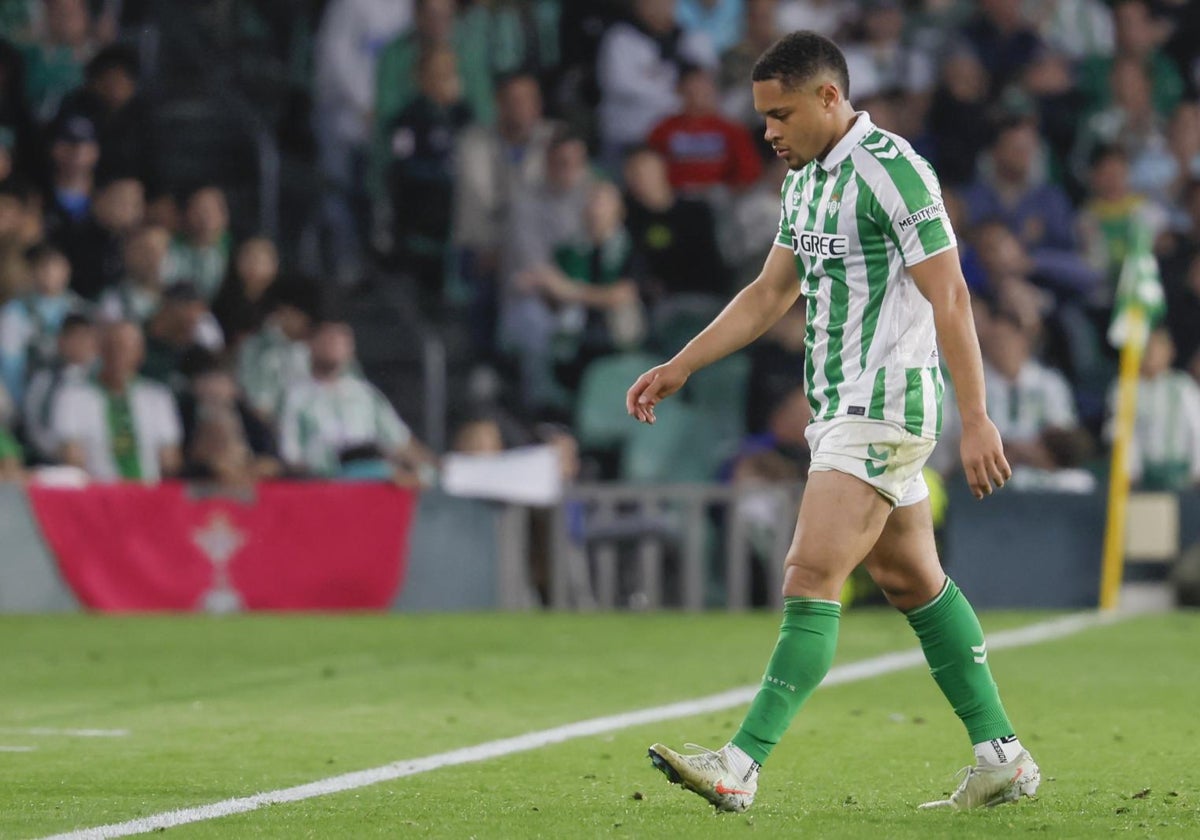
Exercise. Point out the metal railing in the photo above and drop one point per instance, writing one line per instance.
(687, 546)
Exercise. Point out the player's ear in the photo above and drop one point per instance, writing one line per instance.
(828, 94)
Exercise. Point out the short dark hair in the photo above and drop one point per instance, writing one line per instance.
(799, 56)
(75, 321)
(42, 252)
(1106, 152)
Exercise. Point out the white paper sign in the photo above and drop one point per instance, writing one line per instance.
(528, 475)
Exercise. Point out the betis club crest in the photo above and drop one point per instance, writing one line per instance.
(220, 541)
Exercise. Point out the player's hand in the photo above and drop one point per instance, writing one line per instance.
(652, 387)
(983, 457)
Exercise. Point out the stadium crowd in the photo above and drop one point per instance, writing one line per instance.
(570, 189)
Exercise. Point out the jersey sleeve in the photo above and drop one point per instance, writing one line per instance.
(911, 202)
(783, 237)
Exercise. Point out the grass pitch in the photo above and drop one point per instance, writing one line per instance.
(219, 708)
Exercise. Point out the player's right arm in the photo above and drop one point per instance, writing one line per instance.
(745, 318)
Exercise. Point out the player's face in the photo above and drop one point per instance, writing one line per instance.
(801, 121)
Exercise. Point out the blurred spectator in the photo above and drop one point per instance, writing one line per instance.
(676, 235)
(137, 295)
(336, 423)
(74, 154)
(140, 293)
(828, 17)
(96, 247)
(224, 440)
(73, 365)
(1162, 170)
(1177, 246)
(1138, 38)
(350, 38)
(761, 30)
(54, 62)
(638, 69)
(200, 253)
(721, 21)
(1079, 28)
(587, 303)
(550, 211)
(1129, 122)
(779, 452)
(244, 299)
(422, 142)
(1165, 450)
(776, 367)
(959, 117)
(111, 100)
(438, 25)
(118, 426)
(173, 330)
(1048, 85)
(273, 359)
(541, 217)
(1012, 188)
(702, 148)
(1008, 275)
(1183, 314)
(742, 225)
(21, 223)
(1111, 217)
(882, 62)
(29, 324)
(1003, 40)
(1025, 399)
(491, 166)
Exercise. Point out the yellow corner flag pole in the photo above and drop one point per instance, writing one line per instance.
(1113, 568)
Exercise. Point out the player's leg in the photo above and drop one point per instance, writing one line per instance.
(840, 518)
(904, 563)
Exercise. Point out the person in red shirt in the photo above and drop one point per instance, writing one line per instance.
(702, 148)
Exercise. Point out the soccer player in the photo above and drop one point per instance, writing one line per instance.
(864, 232)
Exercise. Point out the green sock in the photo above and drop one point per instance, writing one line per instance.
(957, 655)
(801, 659)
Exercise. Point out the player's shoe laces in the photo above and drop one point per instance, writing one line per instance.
(709, 774)
(986, 785)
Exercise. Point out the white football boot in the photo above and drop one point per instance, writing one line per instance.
(709, 774)
(986, 785)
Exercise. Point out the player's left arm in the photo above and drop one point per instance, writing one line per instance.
(940, 279)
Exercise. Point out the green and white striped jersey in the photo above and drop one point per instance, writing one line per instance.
(321, 420)
(1166, 436)
(855, 221)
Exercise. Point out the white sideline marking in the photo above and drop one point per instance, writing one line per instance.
(851, 672)
(70, 733)
(16, 749)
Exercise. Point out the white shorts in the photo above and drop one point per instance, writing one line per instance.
(884, 455)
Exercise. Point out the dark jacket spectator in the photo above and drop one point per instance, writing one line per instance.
(959, 117)
(74, 153)
(111, 100)
(245, 297)
(1003, 40)
(422, 141)
(95, 248)
(677, 236)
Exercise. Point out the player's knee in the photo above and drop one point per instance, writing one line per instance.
(903, 590)
(806, 579)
